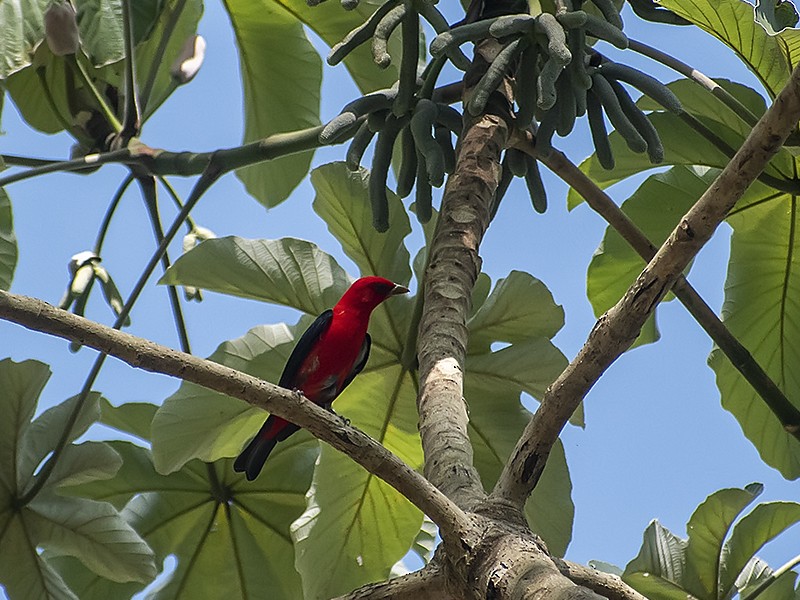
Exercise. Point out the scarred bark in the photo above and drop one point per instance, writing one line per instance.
(453, 267)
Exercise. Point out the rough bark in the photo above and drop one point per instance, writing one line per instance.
(428, 583)
(617, 329)
(453, 266)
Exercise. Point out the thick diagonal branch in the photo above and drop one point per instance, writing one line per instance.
(739, 356)
(34, 314)
(616, 330)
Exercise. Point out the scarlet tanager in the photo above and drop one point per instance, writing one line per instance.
(331, 352)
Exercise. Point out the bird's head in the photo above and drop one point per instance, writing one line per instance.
(369, 292)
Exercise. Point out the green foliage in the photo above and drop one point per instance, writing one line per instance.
(379, 527)
(656, 207)
(770, 58)
(718, 558)
(264, 28)
(87, 529)
(8, 241)
(682, 145)
(760, 277)
(759, 311)
(775, 15)
(209, 518)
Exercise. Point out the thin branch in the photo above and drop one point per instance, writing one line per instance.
(744, 113)
(148, 186)
(200, 188)
(165, 162)
(132, 117)
(143, 354)
(176, 199)
(428, 583)
(617, 329)
(25, 161)
(112, 208)
(89, 160)
(605, 584)
(740, 357)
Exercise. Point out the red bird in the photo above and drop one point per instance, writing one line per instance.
(331, 352)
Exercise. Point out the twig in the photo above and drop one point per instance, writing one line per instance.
(744, 113)
(132, 118)
(617, 329)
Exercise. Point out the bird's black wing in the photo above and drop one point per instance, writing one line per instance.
(303, 347)
(360, 363)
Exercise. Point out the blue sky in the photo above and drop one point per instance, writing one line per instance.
(657, 441)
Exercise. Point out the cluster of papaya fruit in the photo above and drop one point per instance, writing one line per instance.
(557, 77)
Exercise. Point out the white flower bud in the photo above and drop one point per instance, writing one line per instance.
(189, 60)
(61, 28)
(81, 280)
(80, 259)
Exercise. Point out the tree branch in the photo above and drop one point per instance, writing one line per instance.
(428, 583)
(617, 329)
(454, 265)
(605, 584)
(34, 314)
(786, 412)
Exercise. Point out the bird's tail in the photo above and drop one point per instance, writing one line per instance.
(255, 454)
(252, 459)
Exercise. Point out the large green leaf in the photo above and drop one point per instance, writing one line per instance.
(196, 422)
(356, 526)
(762, 524)
(213, 521)
(133, 418)
(657, 571)
(655, 207)
(708, 527)
(705, 566)
(91, 531)
(682, 144)
(22, 24)
(101, 30)
(281, 72)
(519, 307)
(342, 201)
(288, 271)
(147, 58)
(8, 242)
(26, 89)
(731, 21)
(761, 310)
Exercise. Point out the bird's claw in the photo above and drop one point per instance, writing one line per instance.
(345, 421)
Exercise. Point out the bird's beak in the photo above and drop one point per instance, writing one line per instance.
(398, 289)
